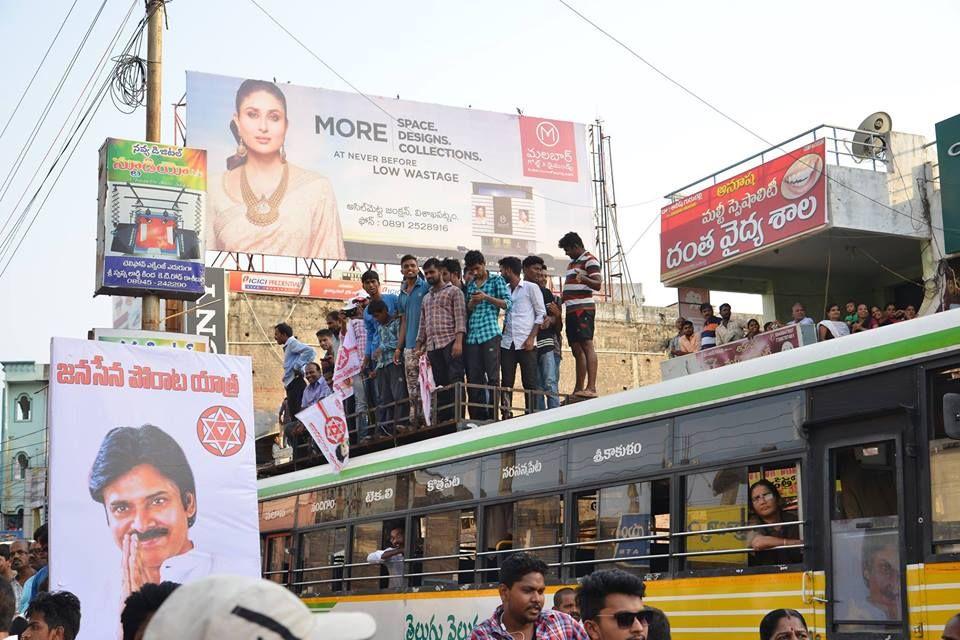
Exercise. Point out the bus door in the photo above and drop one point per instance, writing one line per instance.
(276, 557)
(864, 531)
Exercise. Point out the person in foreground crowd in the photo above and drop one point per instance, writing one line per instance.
(611, 606)
(7, 572)
(8, 607)
(38, 562)
(799, 313)
(582, 279)
(140, 607)
(951, 631)
(20, 562)
(783, 624)
(53, 616)
(565, 600)
(242, 608)
(521, 615)
(658, 626)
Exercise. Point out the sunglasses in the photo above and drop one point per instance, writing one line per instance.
(625, 619)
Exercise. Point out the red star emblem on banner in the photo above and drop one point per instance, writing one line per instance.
(221, 431)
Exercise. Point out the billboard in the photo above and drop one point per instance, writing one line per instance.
(152, 471)
(313, 173)
(948, 159)
(279, 284)
(749, 213)
(150, 219)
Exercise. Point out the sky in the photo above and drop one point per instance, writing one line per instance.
(778, 68)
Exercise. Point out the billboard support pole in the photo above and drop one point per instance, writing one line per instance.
(156, 13)
(609, 248)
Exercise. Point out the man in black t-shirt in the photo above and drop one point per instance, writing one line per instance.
(534, 271)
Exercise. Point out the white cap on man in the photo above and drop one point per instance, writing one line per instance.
(239, 608)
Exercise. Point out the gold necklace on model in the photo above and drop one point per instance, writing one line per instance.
(263, 211)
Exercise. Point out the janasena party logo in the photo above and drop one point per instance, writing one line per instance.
(221, 431)
(334, 429)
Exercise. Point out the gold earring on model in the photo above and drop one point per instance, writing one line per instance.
(283, 153)
(241, 149)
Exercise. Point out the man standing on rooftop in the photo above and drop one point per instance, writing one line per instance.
(582, 279)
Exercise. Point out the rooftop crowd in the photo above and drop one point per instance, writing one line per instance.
(838, 322)
(469, 324)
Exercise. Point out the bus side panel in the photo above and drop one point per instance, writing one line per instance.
(444, 615)
(933, 595)
(725, 608)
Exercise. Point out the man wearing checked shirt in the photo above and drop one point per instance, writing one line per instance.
(487, 294)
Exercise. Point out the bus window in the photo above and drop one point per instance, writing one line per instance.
(536, 522)
(944, 470)
(446, 483)
(609, 454)
(527, 469)
(864, 537)
(321, 558)
(276, 551)
(755, 426)
(625, 511)
(765, 497)
(323, 505)
(450, 536)
(381, 495)
(370, 541)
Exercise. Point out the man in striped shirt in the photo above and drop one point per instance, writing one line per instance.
(582, 279)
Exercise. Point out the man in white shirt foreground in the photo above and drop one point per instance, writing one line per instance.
(391, 558)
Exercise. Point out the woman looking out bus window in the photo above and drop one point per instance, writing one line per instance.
(766, 506)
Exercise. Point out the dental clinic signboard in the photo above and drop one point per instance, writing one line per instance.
(750, 213)
(948, 157)
(150, 220)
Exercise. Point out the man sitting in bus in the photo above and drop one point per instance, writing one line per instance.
(521, 615)
(391, 558)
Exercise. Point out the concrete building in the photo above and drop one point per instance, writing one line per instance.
(23, 450)
(879, 239)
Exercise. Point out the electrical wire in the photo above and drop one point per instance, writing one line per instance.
(393, 117)
(36, 72)
(77, 134)
(74, 110)
(730, 118)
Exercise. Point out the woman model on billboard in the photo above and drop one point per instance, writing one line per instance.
(264, 204)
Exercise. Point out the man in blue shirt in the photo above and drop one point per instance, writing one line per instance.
(371, 286)
(296, 356)
(410, 301)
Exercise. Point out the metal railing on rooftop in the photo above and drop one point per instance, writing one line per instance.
(839, 152)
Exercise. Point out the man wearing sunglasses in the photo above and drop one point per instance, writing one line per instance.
(611, 606)
(521, 615)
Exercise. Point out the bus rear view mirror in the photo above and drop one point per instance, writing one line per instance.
(951, 415)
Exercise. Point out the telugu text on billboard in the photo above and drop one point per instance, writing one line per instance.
(150, 219)
(152, 472)
(748, 213)
(313, 173)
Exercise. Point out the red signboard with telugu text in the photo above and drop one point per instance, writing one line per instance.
(749, 213)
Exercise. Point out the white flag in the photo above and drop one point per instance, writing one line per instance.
(427, 385)
(327, 423)
(348, 363)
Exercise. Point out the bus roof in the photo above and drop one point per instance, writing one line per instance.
(901, 342)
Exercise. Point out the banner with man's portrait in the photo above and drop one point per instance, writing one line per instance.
(152, 472)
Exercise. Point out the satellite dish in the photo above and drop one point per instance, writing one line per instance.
(870, 141)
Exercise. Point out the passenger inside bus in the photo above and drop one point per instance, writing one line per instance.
(766, 507)
(391, 556)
